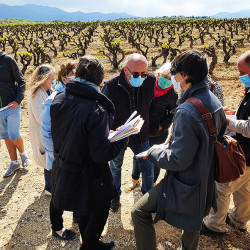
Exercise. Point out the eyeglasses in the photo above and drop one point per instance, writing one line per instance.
(136, 75)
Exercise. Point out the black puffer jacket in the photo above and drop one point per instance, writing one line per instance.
(116, 90)
(12, 83)
(160, 112)
(80, 122)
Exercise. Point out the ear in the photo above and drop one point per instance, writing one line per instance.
(125, 69)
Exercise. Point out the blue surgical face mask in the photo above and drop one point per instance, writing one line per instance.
(136, 82)
(245, 80)
(164, 83)
(53, 83)
(177, 85)
(72, 77)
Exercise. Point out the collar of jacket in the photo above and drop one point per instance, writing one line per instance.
(191, 91)
(76, 88)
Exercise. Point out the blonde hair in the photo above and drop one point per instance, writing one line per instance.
(39, 77)
(164, 69)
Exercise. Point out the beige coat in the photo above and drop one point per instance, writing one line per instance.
(35, 120)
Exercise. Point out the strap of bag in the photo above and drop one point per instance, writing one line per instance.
(206, 115)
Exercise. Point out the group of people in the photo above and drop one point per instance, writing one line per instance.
(69, 131)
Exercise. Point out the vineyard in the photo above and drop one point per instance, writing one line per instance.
(24, 209)
(158, 41)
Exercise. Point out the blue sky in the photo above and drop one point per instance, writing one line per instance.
(144, 7)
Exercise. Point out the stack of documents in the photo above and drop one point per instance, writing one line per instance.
(132, 126)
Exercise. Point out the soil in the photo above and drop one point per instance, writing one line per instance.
(24, 209)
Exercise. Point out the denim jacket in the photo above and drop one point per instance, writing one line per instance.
(46, 125)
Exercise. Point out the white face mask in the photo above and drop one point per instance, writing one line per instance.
(177, 85)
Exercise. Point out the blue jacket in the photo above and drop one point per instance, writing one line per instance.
(46, 126)
(189, 188)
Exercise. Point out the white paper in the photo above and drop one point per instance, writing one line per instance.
(145, 153)
(232, 117)
(132, 126)
(6, 107)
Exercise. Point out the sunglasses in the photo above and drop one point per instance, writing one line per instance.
(136, 75)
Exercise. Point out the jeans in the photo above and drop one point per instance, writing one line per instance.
(10, 120)
(145, 166)
(152, 141)
(47, 178)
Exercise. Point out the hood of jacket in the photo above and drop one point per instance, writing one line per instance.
(77, 88)
(60, 87)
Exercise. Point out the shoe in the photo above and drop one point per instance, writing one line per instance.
(206, 231)
(66, 235)
(101, 246)
(105, 246)
(13, 167)
(229, 222)
(47, 193)
(131, 186)
(25, 159)
(115, 204)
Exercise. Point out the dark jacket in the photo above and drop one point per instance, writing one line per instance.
(243, 113)
(189, 187)
(80, 123)
(116, 89)
(160, 113)
(12, 83)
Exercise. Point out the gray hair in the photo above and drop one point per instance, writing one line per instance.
(90, 69)
(132, 57)
(164, 69)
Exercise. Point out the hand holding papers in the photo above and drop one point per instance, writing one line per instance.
(145, 153)
(130, 127)
(6, 107)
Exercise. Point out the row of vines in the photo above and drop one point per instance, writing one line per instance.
(34, 44)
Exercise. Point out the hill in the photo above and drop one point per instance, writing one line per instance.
(45, 13)
(238, 14)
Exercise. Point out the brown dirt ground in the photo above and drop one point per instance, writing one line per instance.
(24, 209)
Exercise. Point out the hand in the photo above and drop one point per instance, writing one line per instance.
(118, 128)
(144, 158)
(228, 119)
(229, 111)
(160, 127)
(14, 104)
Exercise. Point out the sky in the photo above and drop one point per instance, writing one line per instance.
(145, 8)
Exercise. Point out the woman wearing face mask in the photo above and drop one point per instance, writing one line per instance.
(40, 85)
(160, 116)
(65, 74)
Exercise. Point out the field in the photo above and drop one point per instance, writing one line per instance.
(24, 212)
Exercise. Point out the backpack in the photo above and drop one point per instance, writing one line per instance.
(229, 158)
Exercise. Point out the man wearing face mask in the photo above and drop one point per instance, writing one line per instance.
(132, 89)
(240, 188)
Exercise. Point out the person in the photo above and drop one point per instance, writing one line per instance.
(65, 74)
(187, 191)
(214, 87)
(240, 188)
(160, 116)
(40, 85)
(81, 179)
(12, 88)
(132, 90)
